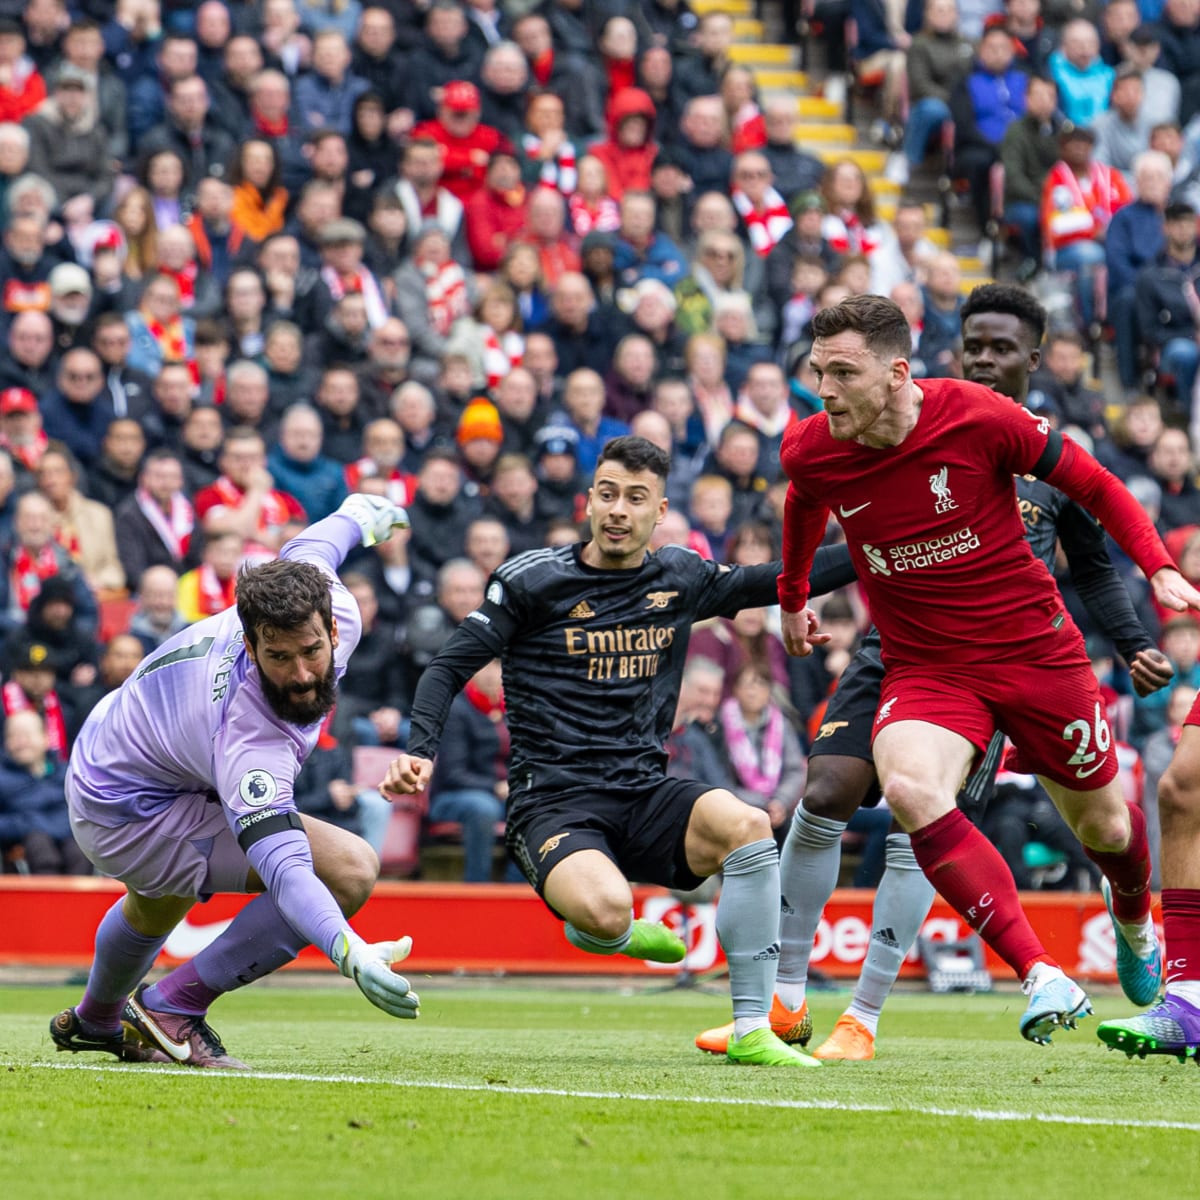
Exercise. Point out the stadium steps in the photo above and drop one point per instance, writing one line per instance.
(748, 29)
(735, 8)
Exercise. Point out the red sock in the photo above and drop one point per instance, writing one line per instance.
(1181, 929)
(976, 882)
(1128, 871)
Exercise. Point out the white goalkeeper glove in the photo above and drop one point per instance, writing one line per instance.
(369, 964)
(375, 516)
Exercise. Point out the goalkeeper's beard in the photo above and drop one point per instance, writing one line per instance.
(302, 706)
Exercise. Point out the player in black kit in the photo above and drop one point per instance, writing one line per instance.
(1003, 327)
(593, 639)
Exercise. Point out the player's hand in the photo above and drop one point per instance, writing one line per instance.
(407, 775)
(1149, 671)
(376, 516)
(369, 964)
(800, 633)
(1172, 591)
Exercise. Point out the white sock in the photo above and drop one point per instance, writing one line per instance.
(1186, 989)
(865, 1013)
(745, 1025)
(1039, 975)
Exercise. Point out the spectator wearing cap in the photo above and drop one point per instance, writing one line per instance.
(496, 214)
(21, 433)
(803, 240)
(1079, 198)
(629, 151)
(324, 97)
(1135, 237)
(1167, 309)
(22, 88)
(342, 273)
(597, 253)
(467, 144)
(1122, 130)
(795, 170)
(67, 146)
(479, 437)
(642, 252)
(1029, 149)
(70, 304)
(1084, 79)
(560, 485)
(1162, 91)
(83, 49)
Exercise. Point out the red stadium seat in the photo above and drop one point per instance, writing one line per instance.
(401, 855)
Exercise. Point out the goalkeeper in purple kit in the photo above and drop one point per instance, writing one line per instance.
(180, 786)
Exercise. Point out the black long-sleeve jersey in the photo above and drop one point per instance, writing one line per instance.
(1051, 516)
(592, 658)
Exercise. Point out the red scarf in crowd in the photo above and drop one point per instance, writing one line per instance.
(173, 528)
(186, 279)
(560, 172)
(16, 701)
(271, 129)
(621, 73)
(29, 573)
(767, 226)
(846, 234)
(500, 354)
(446, 294)
(272, 514)
(361, 283)
(543, 67)
(29, 454)
(493, 709)
(602, 217)
(400, 488)
(212, 595)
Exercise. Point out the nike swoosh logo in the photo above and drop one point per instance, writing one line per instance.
(179, 1051)
(849, 512)
(1082, 774)
(188, 939)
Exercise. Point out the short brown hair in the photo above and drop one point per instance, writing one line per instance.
(883, 326)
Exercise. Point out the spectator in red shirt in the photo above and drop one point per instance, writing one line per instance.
(496, 214)
(628, 152)
(546, 231)
(22, 89)
(466, 142)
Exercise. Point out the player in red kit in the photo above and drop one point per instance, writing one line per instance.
(973, 631)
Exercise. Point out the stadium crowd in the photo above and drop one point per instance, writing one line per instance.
(258, 256)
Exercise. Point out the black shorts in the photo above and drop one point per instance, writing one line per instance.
(850, 715)
(642, 830)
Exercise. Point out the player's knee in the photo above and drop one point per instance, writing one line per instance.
(751, 825)
(358, 869)
(603, 916)
(1105, 831)
(827, 795)
(914, 801)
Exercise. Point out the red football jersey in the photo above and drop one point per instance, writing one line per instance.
(933, 528)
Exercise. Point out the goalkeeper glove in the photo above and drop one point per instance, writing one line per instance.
(370, 966)
(375, 516)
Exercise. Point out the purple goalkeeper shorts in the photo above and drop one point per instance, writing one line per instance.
(187, 849)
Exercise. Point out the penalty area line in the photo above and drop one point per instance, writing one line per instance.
(963, 1114)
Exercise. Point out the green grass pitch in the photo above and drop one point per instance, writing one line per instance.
(526, 1089)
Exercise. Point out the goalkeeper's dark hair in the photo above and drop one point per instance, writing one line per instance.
(1011, 300)
(636, 454)
(281, 597)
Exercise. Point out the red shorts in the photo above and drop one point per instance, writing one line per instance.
(1193, 717)
(1053, 714)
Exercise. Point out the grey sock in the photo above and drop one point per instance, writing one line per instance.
(808, 873)
(902, 902)
(748, 925)
(595, 945)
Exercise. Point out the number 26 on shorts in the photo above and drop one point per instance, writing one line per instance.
(1085, 760)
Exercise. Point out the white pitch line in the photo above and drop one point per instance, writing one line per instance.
(966, 1114)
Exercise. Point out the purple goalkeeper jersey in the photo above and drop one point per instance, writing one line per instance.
(193, 718)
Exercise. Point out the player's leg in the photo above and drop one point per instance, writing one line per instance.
(587, 889)
(1113, 835)
(902, 902)
(921, 766)
(726, 835)
(259, 940)
(1173, 1027)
